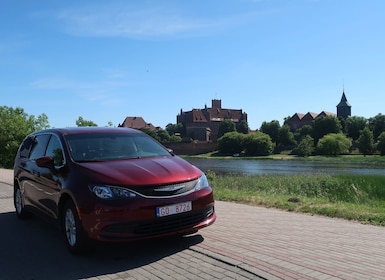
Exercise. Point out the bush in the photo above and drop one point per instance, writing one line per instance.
(306, 147)
(334, 144)
(258, 144)
(231, 143)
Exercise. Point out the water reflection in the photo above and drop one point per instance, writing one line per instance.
(284, 167)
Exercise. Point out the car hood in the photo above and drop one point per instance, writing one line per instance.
(143, 171)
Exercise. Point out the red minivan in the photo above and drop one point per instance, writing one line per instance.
(109, 184)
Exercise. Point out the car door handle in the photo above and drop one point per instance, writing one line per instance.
(37, 173)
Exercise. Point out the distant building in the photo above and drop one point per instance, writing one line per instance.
(137, 123)
(203, 124)
(299, 120)
(344, 109)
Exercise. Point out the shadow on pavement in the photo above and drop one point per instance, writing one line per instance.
(34, 249)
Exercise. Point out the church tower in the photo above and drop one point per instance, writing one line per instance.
(344, 109)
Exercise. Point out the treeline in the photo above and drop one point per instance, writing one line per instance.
(16, 124)
(327, 135)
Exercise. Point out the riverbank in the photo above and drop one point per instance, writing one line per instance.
(357, 196)
(352, 197)
(351, 158)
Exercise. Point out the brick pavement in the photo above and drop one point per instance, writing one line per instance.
(247, 241)
(33, 249)
(282, 245)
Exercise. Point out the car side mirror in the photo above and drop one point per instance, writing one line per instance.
(47, 162)
(171, 151)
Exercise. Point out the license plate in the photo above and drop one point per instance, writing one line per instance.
(173, 209)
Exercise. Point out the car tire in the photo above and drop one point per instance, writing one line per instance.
(74, 235)
(18, 202)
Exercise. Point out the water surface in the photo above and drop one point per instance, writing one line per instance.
(285, 167)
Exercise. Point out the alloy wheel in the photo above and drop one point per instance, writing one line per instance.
(70, 227)
(18, 201)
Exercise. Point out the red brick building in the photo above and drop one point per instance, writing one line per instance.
(203, 124)
(137, 123)
(298, 120)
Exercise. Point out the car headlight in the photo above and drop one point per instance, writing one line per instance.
(202, 183)
(110, 192)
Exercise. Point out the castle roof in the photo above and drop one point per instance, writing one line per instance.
(137, 123)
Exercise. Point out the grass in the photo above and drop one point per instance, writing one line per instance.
(353, 197)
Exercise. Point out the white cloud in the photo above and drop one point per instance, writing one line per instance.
(142, 22)
(60, 84)
(103, 93)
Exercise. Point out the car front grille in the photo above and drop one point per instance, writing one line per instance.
(162, 225)
(165, 190)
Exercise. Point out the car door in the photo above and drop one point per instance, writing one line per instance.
(51, 179)
(30, 178)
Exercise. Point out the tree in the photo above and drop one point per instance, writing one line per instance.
(225, 126)
(175, 138)
(325, 125)
(306, 130)
(231, 143)
(306, 147)
(150, 133)
(342, 121)
(354, 125)
(82, 122)
(15, 125)
(242, 127)
(163, 136)
(258, 144)
(377, 125)
(286, 137)
(173, 129)
(381, 144)
(334, 144)
(271, 129)
(366, 142)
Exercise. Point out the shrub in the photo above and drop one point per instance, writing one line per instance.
(334, 144)
(231, 143)
(258, 144)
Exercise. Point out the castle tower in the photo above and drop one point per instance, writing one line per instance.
(344, 109)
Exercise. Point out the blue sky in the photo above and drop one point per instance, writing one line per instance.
(105, 60)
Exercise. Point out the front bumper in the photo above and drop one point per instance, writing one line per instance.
(120, 221)
(176, 224)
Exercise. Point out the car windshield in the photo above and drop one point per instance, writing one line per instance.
(104, 147)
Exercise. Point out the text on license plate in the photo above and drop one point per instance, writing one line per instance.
(173, 209)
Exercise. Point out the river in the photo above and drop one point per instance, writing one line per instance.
(241, 166)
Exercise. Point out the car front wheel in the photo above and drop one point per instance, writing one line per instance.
(73, 231)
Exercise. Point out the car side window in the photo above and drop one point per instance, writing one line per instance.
(26, 147)
(55, 150)
(39, 146)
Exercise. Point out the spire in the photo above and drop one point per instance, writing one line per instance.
(344, 101)
(344, 108)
